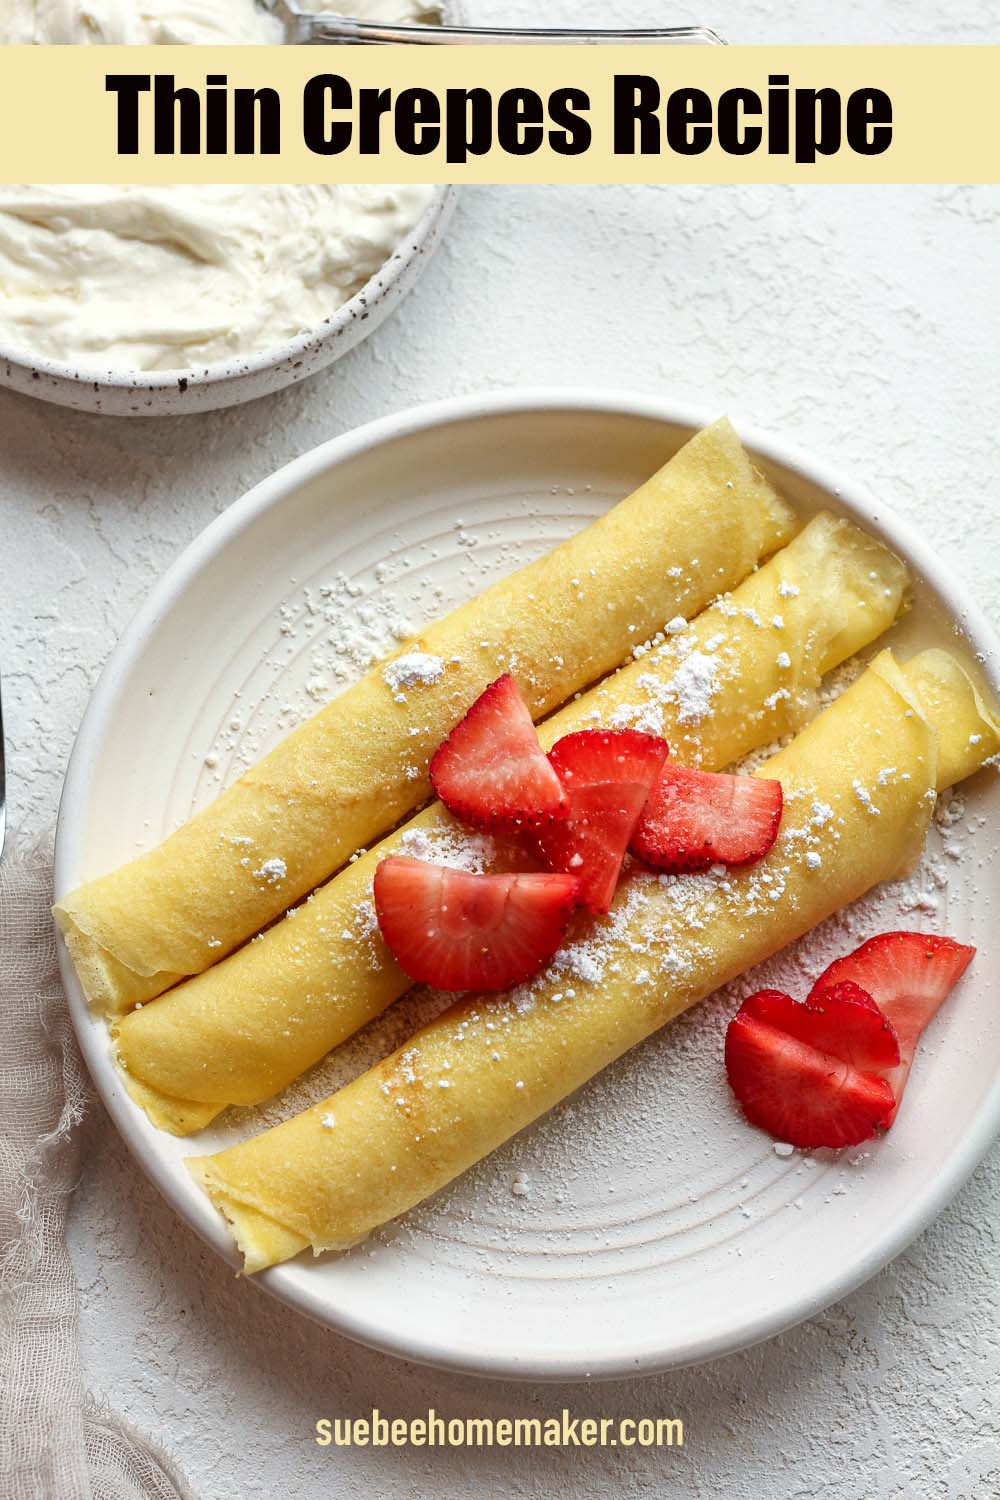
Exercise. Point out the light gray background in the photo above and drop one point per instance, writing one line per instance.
(860, 322)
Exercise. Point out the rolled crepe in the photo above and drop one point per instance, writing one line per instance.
(353, 770)
(859, 786)
(744, 674)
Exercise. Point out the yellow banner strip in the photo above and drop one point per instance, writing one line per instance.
(499, 114)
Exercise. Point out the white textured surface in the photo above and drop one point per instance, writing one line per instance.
(863, 323)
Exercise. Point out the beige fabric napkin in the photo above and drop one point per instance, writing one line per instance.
(55, 1442)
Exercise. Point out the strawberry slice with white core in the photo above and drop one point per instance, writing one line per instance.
(491, 771)
(607, 775)
(803, 1072)
(458, 931)
(908, 975)
(694, 819)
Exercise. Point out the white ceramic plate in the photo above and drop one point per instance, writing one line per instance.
(657, 1229)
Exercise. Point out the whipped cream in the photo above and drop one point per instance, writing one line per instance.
(131, 23)
(168, 278)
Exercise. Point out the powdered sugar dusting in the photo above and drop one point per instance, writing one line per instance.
(693, 686)
(450, 844)
(412, 669)
(340, 629)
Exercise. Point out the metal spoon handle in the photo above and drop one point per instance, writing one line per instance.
(334, 29)
(3, 781)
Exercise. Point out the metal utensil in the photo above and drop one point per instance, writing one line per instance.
(3, 777)
(333, 28)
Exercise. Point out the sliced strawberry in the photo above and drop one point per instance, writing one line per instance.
(694, 819)
(908, 975)
(788, 1082)
(491, 771)
(607, 775)
(458, 931)
(843, 1021)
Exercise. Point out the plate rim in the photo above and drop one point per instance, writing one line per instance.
(856, 500)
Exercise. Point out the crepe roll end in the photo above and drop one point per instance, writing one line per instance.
(261, 1240)
(956, 699)
(180, 1117)
(109, 985)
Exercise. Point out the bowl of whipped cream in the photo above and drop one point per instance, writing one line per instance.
(151, 301)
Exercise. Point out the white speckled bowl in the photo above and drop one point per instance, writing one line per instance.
(168, 393)
(165, 393)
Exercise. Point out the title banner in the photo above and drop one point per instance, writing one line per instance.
(499, 114)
